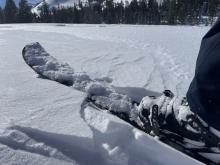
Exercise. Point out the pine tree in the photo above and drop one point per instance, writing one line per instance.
(24, 12)
(142, 18)
(1, 16)
(213, 10)
(10, 11)
(69, 15)
(81, 9)
(97, 10)
(127, 13)
(119, 12)
(89, 14)
(171, 12)
(134, 11)
(108, 12)
(181, 11)
(153, 14)
(164, 11)
(45, 14)
(76, 15)
(55, 16)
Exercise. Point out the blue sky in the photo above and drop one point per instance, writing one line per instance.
(2, 2)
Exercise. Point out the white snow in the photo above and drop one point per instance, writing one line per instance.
(43, 122)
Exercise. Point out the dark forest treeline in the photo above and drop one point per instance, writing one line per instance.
(171, 12)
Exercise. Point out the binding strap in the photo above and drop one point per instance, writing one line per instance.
(209, 138)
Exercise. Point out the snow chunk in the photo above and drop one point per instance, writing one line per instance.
(99, 89)
(105, 95)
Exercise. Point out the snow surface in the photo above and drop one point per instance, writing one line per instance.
(44, 122)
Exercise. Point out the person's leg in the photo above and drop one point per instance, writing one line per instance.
(204, 92)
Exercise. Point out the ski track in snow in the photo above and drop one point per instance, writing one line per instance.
(165, 64)
(2, 41)
(30, 133)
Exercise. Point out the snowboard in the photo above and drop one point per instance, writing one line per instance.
(47, 66)
(50, 68)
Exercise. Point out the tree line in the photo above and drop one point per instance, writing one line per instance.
(170, 12)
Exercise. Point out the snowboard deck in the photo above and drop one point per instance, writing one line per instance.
(52, 69)
(46, 65)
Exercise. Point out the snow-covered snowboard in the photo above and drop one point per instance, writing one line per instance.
(118, 101)
(47, 66)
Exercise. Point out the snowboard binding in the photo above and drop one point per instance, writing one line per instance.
(163, 112)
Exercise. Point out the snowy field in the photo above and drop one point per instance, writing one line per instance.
(42, 122)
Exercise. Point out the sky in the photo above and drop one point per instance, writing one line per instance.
(2, 2)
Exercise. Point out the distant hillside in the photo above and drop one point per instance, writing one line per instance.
(64, 3)
(56, 3)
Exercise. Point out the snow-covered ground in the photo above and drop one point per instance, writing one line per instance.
(42, 122)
